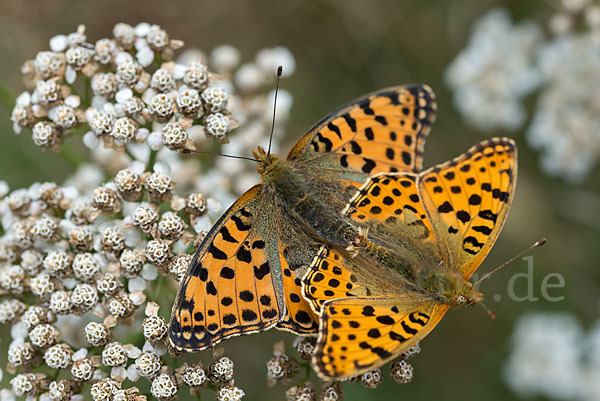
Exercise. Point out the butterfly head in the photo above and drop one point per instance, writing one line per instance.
(266, 161)
(465, 295)
(451, 289)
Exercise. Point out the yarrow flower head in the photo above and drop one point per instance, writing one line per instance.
(496, 70)
(130, 90)
(531, 371)
(504, 63)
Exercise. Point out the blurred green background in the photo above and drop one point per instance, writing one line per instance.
(344, 49)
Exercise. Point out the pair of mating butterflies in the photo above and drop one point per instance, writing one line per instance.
(349, 239)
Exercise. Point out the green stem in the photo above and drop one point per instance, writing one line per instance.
(155, 288)
(73, 90)
(306, 371)
(151, 160)
(87, 98)
(128, 153)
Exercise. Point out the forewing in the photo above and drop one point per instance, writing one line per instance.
(362, 333)
(233, 285)
(468, 200)
(382, 132)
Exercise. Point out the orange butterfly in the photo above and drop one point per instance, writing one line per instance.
(246, 275)
(428, 232)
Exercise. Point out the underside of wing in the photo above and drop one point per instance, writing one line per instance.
(296, 250)
(234, 285)
(388, 205)
(362, 333)
(300, 318)
(382, 132)
(468, 200)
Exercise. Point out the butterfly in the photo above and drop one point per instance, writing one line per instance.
(429, 232)
(246, 275)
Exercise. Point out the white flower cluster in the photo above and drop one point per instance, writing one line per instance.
(496, 70)
(503, 63)
(78, 260)
(552, 356)
(566, 122)
(132, 88)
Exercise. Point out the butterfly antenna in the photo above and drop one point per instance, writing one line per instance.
(218, 154)
(490, 313)
(537, 243)
(279, 72)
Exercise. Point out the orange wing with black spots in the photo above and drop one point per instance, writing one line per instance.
(329, 278)
(242, 278)
(233, 285)
(359, 334)
(468, 199)
(368, 315)
(382, 132)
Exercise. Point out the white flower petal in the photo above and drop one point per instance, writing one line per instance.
(123, 95)
(58, 43)
(70, 74)
(149, 272)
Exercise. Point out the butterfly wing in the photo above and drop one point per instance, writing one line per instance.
(381, 132)
(300, 318)
(468, 199)
(233, 285)
(296, 250)
(368, 315)
(361, 333)
(388, 205)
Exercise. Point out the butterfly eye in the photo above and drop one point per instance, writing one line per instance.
(461, 299)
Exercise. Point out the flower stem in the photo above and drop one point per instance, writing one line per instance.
(128, 153)
(151, 160)
(86, 98)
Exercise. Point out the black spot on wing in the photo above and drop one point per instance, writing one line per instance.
(216, 252)
(224, 231)
(239, 224)
(261, 271)
(350, 121)
(488, 215)
(368, 166)
(244, 255)
(407, 328)
(334, 128)
(325, 141)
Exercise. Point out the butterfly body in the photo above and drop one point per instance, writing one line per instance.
(296, 194)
